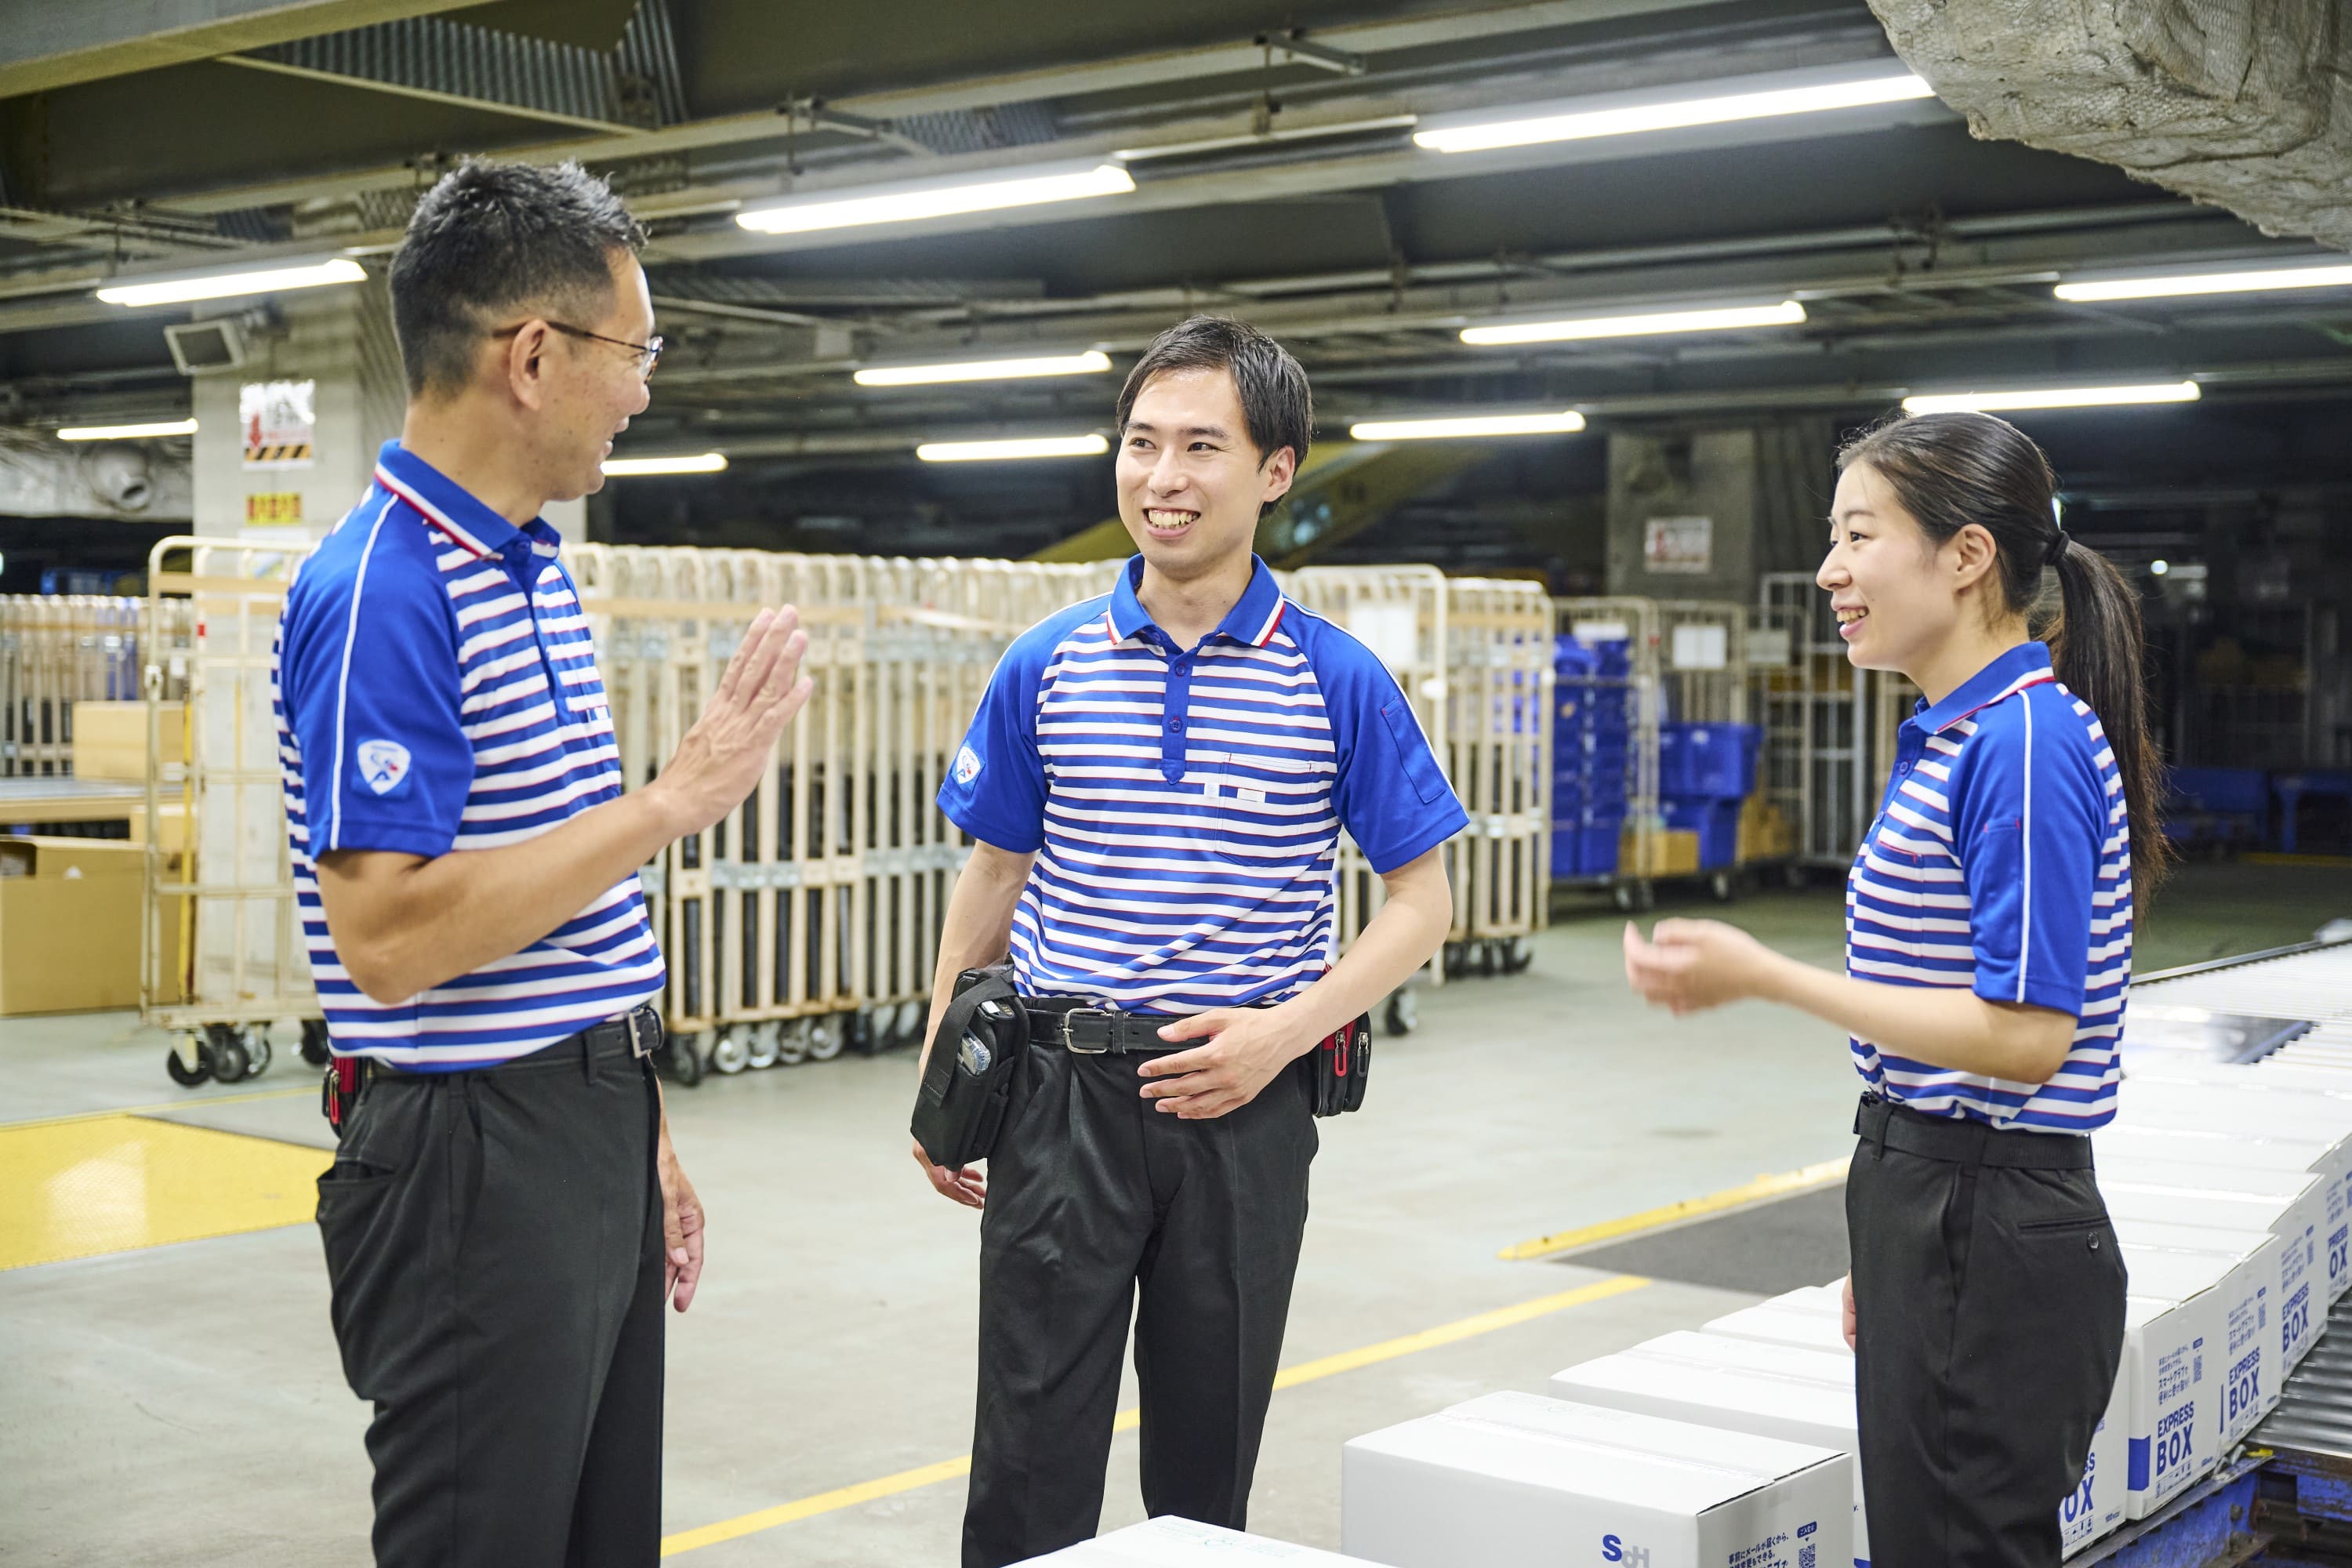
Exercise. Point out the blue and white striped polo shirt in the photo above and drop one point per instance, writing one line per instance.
(436, 691)
(1185, 804)
(2001, 860)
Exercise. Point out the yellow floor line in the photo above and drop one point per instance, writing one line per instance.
(165, 1107)
(1289, 1377)
(1740, 1196)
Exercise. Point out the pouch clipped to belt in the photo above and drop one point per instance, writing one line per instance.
(968, 1082)
(1342, 1063)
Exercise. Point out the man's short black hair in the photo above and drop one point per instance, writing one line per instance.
(490, 240)
(1275, 402)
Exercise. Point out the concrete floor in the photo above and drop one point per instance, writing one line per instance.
(183, 1404)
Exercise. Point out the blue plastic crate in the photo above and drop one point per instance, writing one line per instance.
(1707, 761)
(1586, 846)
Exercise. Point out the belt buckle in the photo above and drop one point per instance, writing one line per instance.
(645, 1031)
(1070, 1036)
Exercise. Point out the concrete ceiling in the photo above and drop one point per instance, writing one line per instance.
(1924, 257)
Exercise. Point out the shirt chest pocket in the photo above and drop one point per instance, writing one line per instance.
(1253, 779)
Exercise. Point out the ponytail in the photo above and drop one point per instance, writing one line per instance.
(2098, 651)
(1954, 470)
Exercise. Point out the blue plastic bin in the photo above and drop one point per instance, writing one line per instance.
(1707, 761)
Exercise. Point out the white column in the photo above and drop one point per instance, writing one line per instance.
(340, 340)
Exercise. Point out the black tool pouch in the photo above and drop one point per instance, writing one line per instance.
(968, 1082)
(1342, 1063)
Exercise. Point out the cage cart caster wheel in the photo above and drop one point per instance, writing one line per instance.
(1490, 957)
(730, 1053)
(685, 1053)
(314, 1042)
(793, 1044)
(226, 1053)
(1723, 887)
(861, 1031)
(258, 1050)
(827, 1037)
(1622, 894)
(1402, 1015)
(183, 1075)
(1793, 878)
(766, 1044)
(1640, 896)
(1517, 953)
(912, 1017)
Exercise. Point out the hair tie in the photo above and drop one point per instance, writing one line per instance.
(2058, 543)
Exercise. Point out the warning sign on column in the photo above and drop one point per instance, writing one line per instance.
(278, 423)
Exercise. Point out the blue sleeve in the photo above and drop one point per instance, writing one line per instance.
(1391, 795)
(2030, 820)
(995, 786)
(369, 672)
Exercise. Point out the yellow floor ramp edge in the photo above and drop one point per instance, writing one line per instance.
(112, 1183)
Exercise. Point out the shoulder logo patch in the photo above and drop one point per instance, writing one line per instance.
(383, 764)
(967, 765)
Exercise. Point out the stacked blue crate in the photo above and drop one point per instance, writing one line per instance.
(1705, 771)
(1590, 734)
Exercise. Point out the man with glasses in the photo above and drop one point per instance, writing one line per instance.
(504, 1218)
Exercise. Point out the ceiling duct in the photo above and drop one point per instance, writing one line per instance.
(2244, 103)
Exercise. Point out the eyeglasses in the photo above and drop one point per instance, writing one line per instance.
(648, 353)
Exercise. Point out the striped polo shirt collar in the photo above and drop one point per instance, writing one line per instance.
(453, 508)
(1250, 621)
(2027, 664)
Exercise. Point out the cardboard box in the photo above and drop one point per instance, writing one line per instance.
(1779, 1322)
(1730, 1383)
(1789, 1391)
(2280, 1103)
(2285, 1271)
(110, 740)
(69, 914)
(1171, 1542)
(1515, 1480)
(2252, 1362)
(1674, 852)
(2229, 1133)
(2171, 1364)
(2293, 1206)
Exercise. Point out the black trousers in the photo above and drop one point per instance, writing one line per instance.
(494, 1246)
(1092, 1194)
(1989, 1303)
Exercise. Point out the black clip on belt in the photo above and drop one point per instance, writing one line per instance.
(1099, 1031)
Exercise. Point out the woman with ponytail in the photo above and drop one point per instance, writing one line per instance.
(1988, 953)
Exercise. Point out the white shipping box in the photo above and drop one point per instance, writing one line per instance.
(2254, 1322)
(2302, 1307)
(2169, 1368)
(1810, 1320)
(2294, 1205)
(1171, 1542)
(1515, 1480)
(1781, 1323)
(1800, 1395)
(2295, 1117)
(2244, 1358)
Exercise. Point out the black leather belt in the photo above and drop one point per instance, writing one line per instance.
(635, 1034)
(1964, 1140)
(1089, 1031)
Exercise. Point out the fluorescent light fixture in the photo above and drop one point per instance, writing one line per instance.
(128, 432)
(2051, 397)
(1673, 116)
(1787, 313)
(994, 451)
(907, 202)
(696, 463)
(1564, 423)
(984, 369)
(228, 285)
(2208, 283)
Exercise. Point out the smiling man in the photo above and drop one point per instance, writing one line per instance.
(1158, 780)
(504, 1218)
